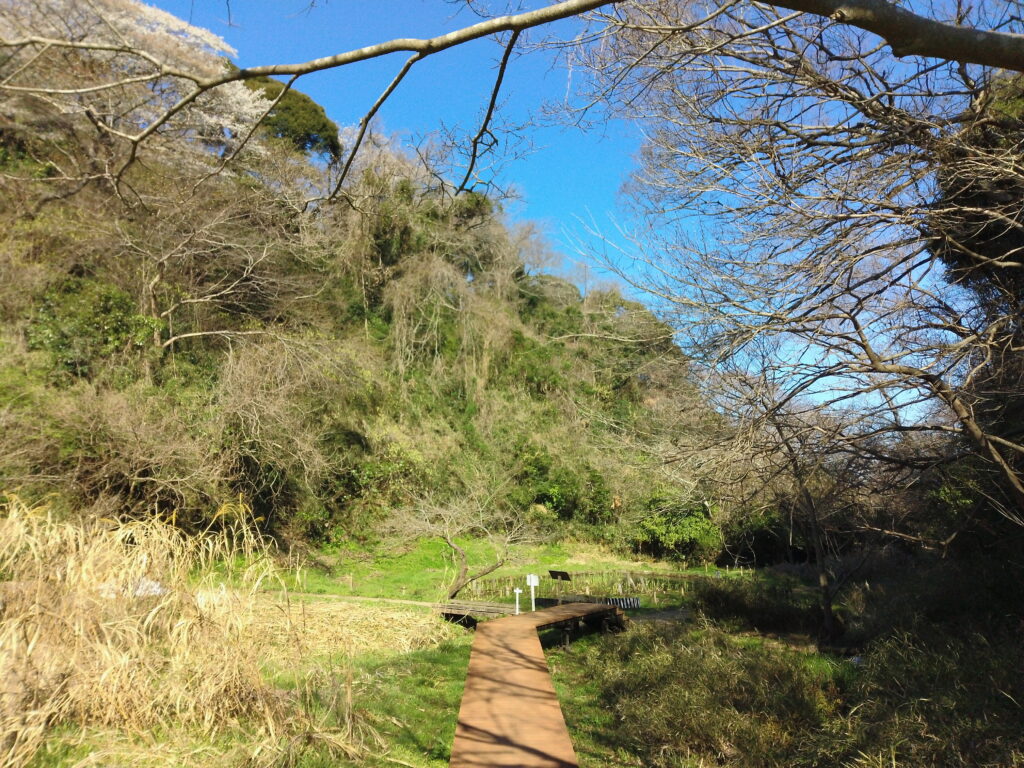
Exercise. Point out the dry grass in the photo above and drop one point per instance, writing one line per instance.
(110, 626)
(294, 630)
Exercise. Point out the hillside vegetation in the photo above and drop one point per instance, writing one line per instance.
(244, 368)
(336, 367)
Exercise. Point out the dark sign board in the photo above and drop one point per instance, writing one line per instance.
(560, 575)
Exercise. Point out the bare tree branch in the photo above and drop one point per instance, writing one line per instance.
(806, 203)
(485, 123)
(911, 34)
(364, 122)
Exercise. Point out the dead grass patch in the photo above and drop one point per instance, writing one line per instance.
(293, 629)
(116, 626)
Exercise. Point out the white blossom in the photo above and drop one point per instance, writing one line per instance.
(124, 85)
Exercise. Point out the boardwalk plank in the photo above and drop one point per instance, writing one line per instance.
(510, 715)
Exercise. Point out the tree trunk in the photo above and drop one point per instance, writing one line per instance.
(830, 629)
(463, 576)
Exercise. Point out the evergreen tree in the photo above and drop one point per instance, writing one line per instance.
(298, 119)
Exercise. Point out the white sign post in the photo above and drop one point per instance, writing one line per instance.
(533, 581)
(518, 592)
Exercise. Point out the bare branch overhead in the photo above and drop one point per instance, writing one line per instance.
(911, 34)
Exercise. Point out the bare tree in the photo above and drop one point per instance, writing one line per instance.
(101, 74)
(781, 454)
(793, 186)
(829, 491)
(135, 74)
(477, 512)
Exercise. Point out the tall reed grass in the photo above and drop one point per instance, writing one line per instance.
(119, 625)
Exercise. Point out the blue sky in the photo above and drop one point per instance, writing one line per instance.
(569, 174)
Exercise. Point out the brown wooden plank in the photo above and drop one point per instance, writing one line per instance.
(510, 715)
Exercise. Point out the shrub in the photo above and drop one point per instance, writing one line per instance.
(102, 624)
(129, 628)
(534, 365)
(674, 528)
(123, 451)
(571, 492)
(777, 604)
(83, 323)
(755, 537)
(896, 593)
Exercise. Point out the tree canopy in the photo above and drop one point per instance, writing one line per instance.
(298, 119)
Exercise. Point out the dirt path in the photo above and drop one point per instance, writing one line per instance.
(360, 599)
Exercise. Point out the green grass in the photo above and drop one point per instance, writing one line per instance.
(413, 702)
(671, 695)
(62, 747)
(718, 692)
(418, 573)
(664, 694)
(765, 602)
(587, 716)
(422, 570)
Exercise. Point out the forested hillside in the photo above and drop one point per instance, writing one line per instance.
(190, 337)
(211, 294)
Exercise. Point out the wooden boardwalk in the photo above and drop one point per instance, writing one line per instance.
(510, 714)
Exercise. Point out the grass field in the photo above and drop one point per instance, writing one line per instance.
(227, 657)
(239, 661)
(421, 570)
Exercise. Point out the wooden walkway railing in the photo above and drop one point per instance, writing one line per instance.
(510, 714)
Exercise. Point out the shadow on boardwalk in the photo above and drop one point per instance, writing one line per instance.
(510, 715)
